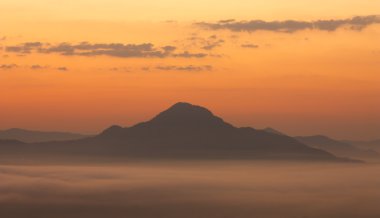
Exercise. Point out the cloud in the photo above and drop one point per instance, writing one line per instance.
(227, 21)
(38, 67)
(145, 50)
(213, 44)
(8, 66)
(169, 48)
(24, 48)
(208, 43)
(120, 69)
(171, 189)
(187, 54)
(290, 26)
(62, 69)
(114, 49)
(248, 45)
(145, 68)
(171, 21)
(31, 67)
(189, 68)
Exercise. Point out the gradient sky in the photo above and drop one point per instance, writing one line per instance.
(99, 63)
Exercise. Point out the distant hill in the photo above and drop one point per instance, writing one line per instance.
(11, 142)
(183, 131)
(274, 131)
(31, 136)
(338, 148)
(373, 144)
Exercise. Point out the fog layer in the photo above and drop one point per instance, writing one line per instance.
(189, 189)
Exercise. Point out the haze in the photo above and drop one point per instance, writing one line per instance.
(190, 109)
(189, 189)
(300, 81)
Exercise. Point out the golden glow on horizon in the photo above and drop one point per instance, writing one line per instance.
(308, 82)
(184, 10)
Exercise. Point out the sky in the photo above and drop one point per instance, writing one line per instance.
(303, 67)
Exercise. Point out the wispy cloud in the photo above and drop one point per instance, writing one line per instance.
(25, 48)
(213, 44)
(38, 67)
(146, 50)
(249, 45)
(32, 67)
(290, 26)
(63, 69)
(8, 66)
(206, 43)
(188, 54)
(189, 68)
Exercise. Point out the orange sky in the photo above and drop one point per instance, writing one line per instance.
(308, 81)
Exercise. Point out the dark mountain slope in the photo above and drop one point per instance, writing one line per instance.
(273, 131)
(338, 148)
(186, 131)
(373, 145)
(31, 136)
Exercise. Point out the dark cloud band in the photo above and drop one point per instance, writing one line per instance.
(146, 50)
(289, 26)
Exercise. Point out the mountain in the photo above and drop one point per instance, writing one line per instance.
(374, 144)
(11, 142)
(184, 131)
(338, 148)
(274, 131)
(31, 136)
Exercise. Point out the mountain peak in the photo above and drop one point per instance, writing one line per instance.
(187, 107)
(183, 104)
(186, 114)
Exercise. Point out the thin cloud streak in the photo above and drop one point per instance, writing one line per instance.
(249, 46)
(34, 67)
(289, 26)
(8, 66)
(145, 50)
(189, 68)
(208, 44)
(62, 69)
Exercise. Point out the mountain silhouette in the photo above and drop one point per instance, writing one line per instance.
(186, 131)
(11, 142)
(338, 148)
(189, 131)
(372, 145)
(185, 115)
(32, 136)
(274, 131)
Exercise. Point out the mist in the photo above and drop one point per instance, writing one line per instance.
(190, 189)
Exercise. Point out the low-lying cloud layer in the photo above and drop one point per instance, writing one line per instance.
(290, 26)
(146, 50)
(187, 190)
